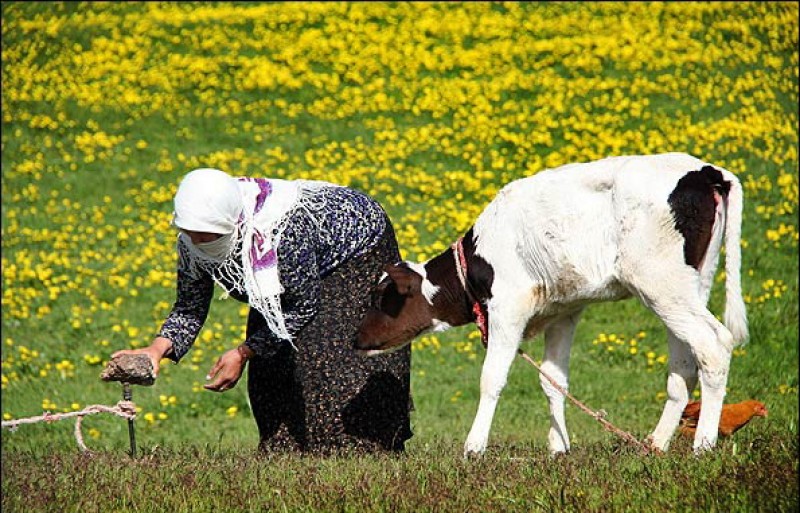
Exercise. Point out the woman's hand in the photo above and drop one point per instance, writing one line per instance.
(155, 351)
(228, 369)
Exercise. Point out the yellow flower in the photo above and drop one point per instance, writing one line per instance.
(92, 359)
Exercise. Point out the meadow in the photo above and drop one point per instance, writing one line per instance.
(430, 108)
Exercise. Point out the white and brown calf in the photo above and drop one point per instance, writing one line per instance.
(650, 227)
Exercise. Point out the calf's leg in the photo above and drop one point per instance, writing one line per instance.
(505, 334)
(710, 344)
(652, 264)
(558, 338)
(714, 357)
(681, 382)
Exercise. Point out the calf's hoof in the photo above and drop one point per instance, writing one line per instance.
(703, 448)
(474, 450)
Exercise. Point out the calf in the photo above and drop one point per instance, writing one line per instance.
(649, 227)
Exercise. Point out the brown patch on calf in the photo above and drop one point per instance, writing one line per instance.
(694, 205)
(566, 283)
(537, 324)
(477, 289)
(399, 311)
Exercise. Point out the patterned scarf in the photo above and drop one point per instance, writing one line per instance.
(250, 263)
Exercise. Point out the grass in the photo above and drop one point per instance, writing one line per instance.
(430, 108)
(756, 474)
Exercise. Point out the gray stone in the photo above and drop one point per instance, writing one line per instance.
(136, 369)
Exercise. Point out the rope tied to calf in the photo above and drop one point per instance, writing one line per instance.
(483, 327)
(125, 409)
(599, 415)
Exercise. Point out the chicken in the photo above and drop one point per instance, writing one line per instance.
(732, 419)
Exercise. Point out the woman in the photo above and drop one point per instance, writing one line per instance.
(305, 256)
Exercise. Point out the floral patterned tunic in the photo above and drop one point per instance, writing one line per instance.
(352, 223)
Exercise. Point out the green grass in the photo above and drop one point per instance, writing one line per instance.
(88, 256)
(756, 473)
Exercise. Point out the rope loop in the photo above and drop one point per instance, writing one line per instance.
(124, 409)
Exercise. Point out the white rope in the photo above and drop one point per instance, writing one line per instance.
(125, 409)
(599, 416)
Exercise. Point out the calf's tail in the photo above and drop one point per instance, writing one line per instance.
(735, 311)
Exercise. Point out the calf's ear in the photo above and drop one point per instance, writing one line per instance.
(406, 280)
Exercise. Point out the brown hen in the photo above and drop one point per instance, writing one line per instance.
(732, 419)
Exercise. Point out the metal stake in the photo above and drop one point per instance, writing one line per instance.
(127, 395)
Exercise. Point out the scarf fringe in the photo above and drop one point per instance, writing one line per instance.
(235, 274)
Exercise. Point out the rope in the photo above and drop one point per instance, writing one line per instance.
(599, 416)
(125, 409)
(461, 270)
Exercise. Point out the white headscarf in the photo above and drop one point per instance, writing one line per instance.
(208, 200)
(249, 210)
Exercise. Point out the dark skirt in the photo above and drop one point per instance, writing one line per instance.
(325, 397)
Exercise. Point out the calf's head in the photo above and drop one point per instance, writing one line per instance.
(400, 310)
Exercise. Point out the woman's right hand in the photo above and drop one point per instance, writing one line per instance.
(155, 351)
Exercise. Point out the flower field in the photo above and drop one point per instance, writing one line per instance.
(428, 107)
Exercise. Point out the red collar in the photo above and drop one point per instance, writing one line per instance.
(477, 308)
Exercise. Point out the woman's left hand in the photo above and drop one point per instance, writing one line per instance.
(227, 371)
